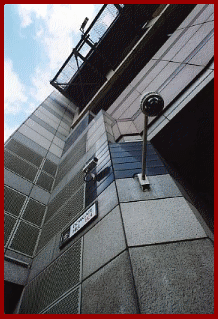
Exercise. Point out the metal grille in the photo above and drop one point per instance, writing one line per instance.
(25, 238)
(64, 194)
(45, 181)
(50, 167)
(9, 223)
(19, 166)
(62, 275)
(24, 152)
(13, 201)
(103, 22)
(34, 212)
(67, 305)
(71, 159)
(68, 212)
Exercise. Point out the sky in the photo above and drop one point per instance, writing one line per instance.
(38, 38)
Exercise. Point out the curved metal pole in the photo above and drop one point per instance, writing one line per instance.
(144, 147)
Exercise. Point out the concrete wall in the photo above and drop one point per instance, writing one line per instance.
(146, 252)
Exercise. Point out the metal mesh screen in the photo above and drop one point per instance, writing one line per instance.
(25, 238)
(20, 167)
(67, 305)
(62, 275)
(24, 152)
(64, 194)
(103, 22)
(9, 223)
(34, 212)
(71, 159)
(45, 181)
(13, 201)
(50, 167)
(69, 211)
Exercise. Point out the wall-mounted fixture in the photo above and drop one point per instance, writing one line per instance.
(151, 105)
(84, 24)
(87, 170)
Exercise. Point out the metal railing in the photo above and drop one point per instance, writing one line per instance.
(89, 40)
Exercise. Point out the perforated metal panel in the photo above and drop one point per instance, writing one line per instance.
(50, 167)
(34, 212)
(13, 201)
(25, 238)
(9, 223)
(62, 275)
(69, 211)
(67, 305)
(24, 152)
(45, 181)
(64, 194)
(19, 166)
(71, 159)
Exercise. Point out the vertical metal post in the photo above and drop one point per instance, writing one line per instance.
(144, 147)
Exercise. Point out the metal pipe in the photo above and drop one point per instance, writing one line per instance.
(144, 147)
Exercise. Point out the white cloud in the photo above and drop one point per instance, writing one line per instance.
(55, 27)
(56, 33)
(62, 21)
(14, 90)
(41, 85)
(27, 11)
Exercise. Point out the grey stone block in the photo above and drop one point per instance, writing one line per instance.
(107, 200)
(103, 242)
(14, 273)
(110, 290)
(206, 53)
(201, 221)
(161, 186)
(152, 74)
(125, 103)
(198, 15)
(40, 195)
(191, 45)
(161, 220)
(175, 278)
(17, 182)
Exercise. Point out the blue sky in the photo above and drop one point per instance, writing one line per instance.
(37, 40)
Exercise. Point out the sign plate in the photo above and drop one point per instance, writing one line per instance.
(86, 217)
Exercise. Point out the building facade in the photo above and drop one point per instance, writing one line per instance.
(75, 244)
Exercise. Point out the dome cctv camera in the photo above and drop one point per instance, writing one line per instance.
(152, 104)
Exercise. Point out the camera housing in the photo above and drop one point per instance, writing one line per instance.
(90, 165)
(152, 104)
